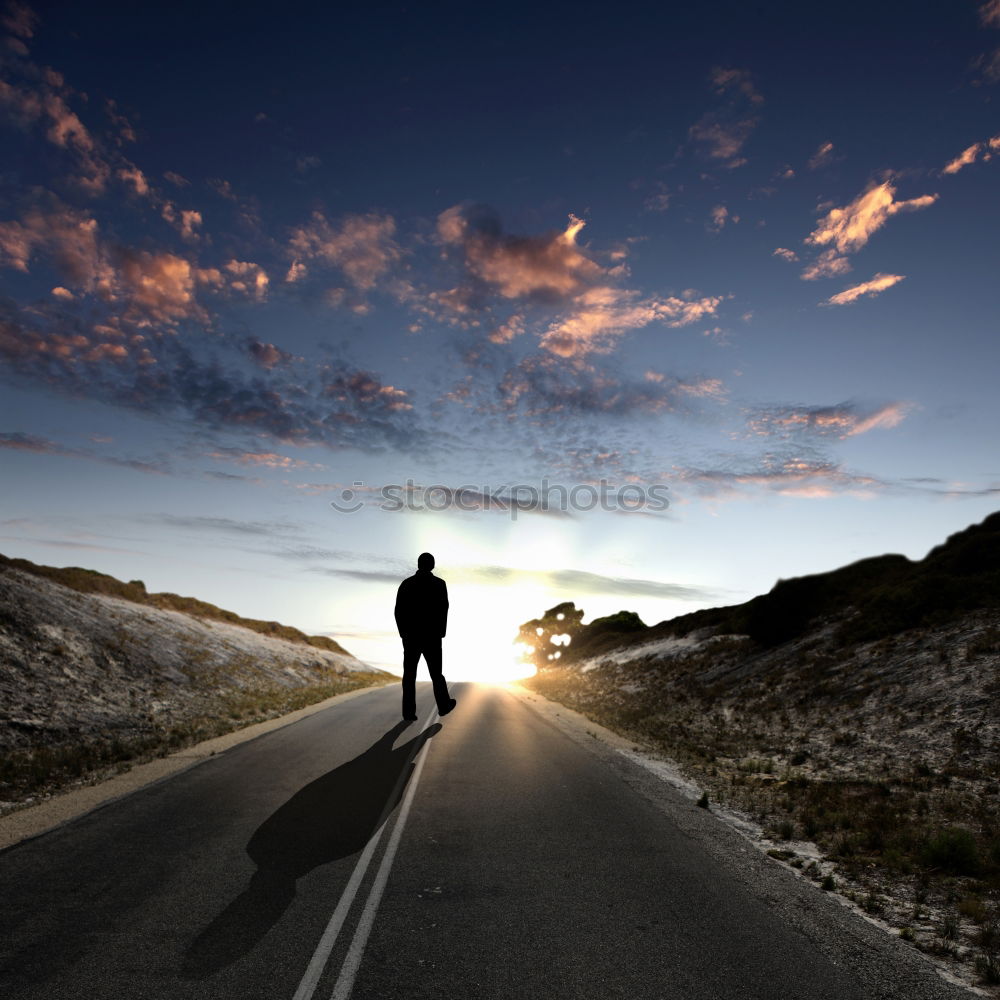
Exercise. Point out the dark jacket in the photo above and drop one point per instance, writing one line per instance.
(422, 606)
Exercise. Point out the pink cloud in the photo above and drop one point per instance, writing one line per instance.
(718, 218)
(20, 20)
(545, 267)
(267, 459)
(785, 254)
(550, 271)
(822, 156)
(870, 288)
(842, 421)
(362, 246)
(134, 176)
(787, 477)
(827, 265)
(68, 236)
(601, 315)
(249, 278)
(365, 390)
(984, 151)
(989, 13)
(721, 134)
(966, 157)
(849, 228)
(159, 285)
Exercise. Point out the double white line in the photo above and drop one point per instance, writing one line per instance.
(352, 961)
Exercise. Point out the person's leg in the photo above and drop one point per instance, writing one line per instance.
(411, 656)
(432, 654)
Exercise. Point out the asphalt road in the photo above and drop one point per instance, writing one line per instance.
(517, 857)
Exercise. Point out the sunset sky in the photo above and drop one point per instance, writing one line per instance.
(250, 259)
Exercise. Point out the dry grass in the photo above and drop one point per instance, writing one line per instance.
(873, 768)
(26, 775)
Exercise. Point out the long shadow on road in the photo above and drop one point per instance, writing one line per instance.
(330, 818)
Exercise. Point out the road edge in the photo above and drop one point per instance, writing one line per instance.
(66, 806)
(814, 912)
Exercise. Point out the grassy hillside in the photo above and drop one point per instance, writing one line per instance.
(885, 595)
(89, 581)
(853, 717)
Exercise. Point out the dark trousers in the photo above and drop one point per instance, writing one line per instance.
(430, 649)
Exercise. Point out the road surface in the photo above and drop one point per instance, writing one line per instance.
(496, 853)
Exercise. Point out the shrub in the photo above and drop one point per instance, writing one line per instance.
(952, 849)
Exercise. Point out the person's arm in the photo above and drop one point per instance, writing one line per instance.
(444, 609)
(398, 611)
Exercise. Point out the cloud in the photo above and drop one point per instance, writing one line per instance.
(20, 20)
(989, 14)
(226, 525)
(718, 218)
(841, 421)
(659, 201)
(19, 441)
(870, 288)
(545, 268)
(154, 286)
(333, 404)
(967, 156)
(267, 355)
(827, 265)
(785, 475)
(601, 315)
(574, 581)
(363, 247)
(822, 156)
(68, 236)
(849, 228)
(544, 385)
(267, 459)
(550, 272)
(46, 104)
(978, 150)
(248, 278)
(158, 285)
(134, 176)
(721, 134)
(187, 221)
(784, 254)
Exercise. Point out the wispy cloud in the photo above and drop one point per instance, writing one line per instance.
(871, 288)
(332, 403)
(20, 441)
(226, 525)
(984, 151)
(822, 156)
(543, 385)
(840, 421)
(850, 227)
(847, 229)
(722, 133)
(362, 247)
(552, 272)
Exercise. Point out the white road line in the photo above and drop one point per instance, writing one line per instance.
(349, 970)
(329, 938)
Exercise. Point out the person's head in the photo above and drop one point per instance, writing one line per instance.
(425, 561)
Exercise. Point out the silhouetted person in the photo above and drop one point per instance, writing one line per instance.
(422, 620)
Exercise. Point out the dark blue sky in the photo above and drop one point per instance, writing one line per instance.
(249, 258)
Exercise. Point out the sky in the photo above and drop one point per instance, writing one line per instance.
(641, 306)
